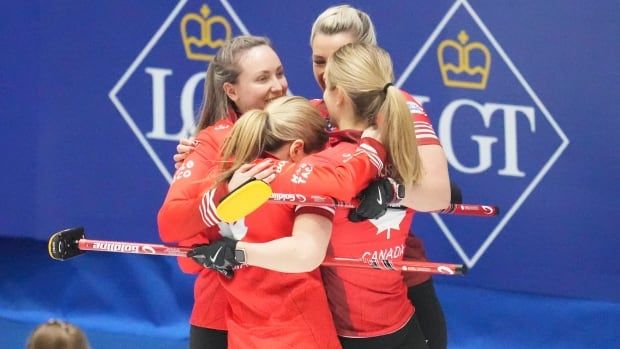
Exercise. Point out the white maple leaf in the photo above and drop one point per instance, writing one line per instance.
(390, 220)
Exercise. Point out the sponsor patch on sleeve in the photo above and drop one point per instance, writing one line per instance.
(415, 108)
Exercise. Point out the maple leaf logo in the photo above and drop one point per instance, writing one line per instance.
(390, 220)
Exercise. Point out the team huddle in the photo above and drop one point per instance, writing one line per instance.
(260, 283)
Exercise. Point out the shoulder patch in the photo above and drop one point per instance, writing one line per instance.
(415, 108)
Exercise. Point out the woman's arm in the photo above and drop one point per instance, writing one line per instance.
(302, 252)
(335, 174)
(432, 191)
(179, 218)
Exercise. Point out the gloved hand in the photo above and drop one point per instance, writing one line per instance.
(456, 197)
(374, 200)
(219, 256)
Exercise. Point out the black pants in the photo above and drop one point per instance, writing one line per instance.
(408, 337)
(207, 338)
(429, 313)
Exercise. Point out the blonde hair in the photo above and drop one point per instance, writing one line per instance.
(345, 19)
(224, 68)
(364, 72)
(57, 334)
(283, 120)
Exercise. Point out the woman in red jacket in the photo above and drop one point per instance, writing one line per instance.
(340, 25)
(245, 74)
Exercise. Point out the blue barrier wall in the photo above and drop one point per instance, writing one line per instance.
(95, 95)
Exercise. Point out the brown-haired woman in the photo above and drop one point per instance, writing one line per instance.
(246, 73)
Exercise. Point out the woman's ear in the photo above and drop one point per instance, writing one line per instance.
(339, 96)
(230, 91)
(296, 150)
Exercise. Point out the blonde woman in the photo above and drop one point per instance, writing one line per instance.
(335, 27)
(370, 307)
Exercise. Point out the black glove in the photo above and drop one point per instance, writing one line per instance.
(374, 200)
(219, 256)
(456, 197)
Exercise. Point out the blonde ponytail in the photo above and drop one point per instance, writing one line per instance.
(398, 133)
(365, 73)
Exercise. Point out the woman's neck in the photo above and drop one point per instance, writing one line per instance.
(352, 122)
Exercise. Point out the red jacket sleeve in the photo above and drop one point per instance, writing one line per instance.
(424, 132)
(339, 172)
(180, 216)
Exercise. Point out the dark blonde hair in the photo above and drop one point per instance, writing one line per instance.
(345, 19)
(285, 119)
(57, 334)
(364, 72)
(224, 68)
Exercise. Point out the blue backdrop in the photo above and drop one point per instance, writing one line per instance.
(95, 95)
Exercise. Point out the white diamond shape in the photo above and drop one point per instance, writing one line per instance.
(470, 262)
(136, 63)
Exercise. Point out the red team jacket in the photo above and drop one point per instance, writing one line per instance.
(179, 220)
(269, 309)
(368, 303)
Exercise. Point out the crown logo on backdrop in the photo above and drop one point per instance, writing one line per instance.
(463, 74)
(203, 48)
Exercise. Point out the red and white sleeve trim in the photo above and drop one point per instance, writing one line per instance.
(424, 131)
(208, 204)
(374, 150)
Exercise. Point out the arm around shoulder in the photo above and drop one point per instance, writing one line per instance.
(302, 252)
